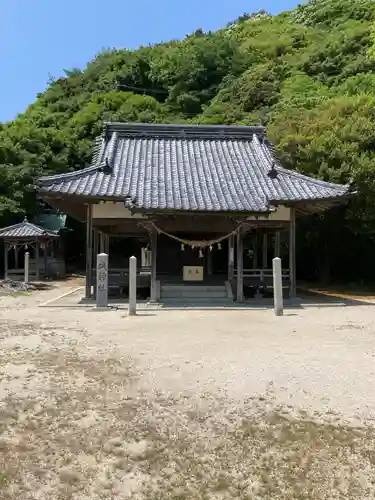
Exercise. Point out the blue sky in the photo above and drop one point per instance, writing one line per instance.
(39, 38)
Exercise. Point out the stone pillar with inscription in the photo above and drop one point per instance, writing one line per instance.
(277, 286)
(132, 286)
(102, 280)
(27, 261)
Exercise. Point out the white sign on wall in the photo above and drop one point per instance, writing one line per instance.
(146, 257)
(193, 273)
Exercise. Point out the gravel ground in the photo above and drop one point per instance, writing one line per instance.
(185, 404)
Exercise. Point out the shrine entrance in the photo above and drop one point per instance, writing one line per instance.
(181, 262)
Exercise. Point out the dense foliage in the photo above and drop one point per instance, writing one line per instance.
(309, 74)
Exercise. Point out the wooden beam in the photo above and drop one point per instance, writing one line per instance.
(16, 257)
(106, 244)
(264, 251)
(37, 258)
(45, 254)
(240, 294)
(255, 252)
(292, 253)
(95, 245)
(208, 253)
(5, 260)
(101, 242)
(277, 244)
(88, 252)
(154, 247)
(231, 258)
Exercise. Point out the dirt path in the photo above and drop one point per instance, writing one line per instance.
(185, 404)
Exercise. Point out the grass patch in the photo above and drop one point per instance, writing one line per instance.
(3, 480)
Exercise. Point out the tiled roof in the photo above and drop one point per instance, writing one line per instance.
(25, 229)
(185, 167)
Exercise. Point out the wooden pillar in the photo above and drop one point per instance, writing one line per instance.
(45, 253)
(16, 256)
(95, 251)
(240, 295)
(101, 243)
(6, 247)
(37, 258)
(255, 252)
(277, 244)
(230, 258)
(265, 251)
(153, 286)
(106, 244)
(95, 245)
(292, 253)
(88, 251)
(209, 261)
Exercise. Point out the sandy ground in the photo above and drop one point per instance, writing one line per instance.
(185, 404)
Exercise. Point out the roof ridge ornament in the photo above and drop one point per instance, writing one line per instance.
(106, 168)
(130, 203)
(273, 173)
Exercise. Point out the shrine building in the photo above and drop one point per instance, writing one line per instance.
(204, 208)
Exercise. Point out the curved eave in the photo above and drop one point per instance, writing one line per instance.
(311, 207)
(303, 207)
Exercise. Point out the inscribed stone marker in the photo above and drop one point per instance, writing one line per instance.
(132, 286)
(102, 280)
(27, 259)
(277, 287)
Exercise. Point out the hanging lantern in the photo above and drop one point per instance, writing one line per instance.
(182, 247)
(201, 253)
(210, 248)
(219, 246)
(26, 247)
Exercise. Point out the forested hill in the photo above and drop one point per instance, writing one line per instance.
(308, 74)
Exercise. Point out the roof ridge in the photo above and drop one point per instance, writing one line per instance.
(185, 129)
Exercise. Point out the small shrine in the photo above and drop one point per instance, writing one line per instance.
(39, 242)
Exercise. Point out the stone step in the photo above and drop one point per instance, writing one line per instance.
(193, 291)
(197, 302)
(197, 295)
(206, 288)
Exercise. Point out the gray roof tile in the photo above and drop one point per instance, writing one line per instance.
(185, 167)
(25, 229)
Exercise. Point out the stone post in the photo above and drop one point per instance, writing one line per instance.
(27, 259)
(102, 280)
(132, 286)
(277, 286)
